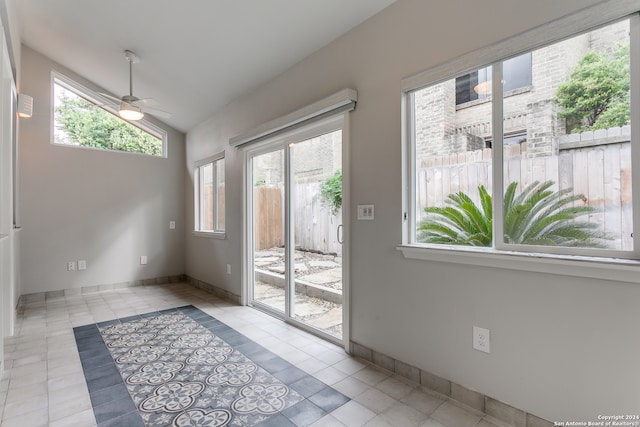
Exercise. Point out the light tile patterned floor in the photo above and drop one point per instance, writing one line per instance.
(44, 384)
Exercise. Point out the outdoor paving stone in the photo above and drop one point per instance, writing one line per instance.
(265, 253)
(308, 309)
(260, 263)
(273, 301)
(301, 267)
(330, 319)
(328, 276)
(323, 264)
(267, 291)
(267, 259)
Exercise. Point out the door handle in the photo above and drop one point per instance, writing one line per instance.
(339, 235)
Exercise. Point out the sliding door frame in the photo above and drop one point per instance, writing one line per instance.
(283, 141)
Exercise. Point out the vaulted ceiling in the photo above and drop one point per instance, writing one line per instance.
(196, 56)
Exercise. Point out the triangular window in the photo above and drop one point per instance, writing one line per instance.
(82, 119)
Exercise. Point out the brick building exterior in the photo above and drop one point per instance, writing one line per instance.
(530, 112)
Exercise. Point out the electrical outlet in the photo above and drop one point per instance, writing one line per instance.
(71, 266)
(143, 260)
(82, 264)
(172, 225)
(228, 268)
(482, 339)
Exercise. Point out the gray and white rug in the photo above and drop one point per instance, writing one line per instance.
(182, 367)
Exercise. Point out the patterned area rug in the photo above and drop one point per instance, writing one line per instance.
(182, 367)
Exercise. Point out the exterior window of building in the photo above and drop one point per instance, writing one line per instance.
(209, 196)
(546, 170)
(477, 85)
(82, 120)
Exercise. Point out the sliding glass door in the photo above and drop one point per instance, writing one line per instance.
(294, 219)
(268, 220)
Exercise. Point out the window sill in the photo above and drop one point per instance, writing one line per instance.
(210, 234)
(621, 270)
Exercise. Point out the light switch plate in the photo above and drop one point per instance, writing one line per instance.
(365, 212)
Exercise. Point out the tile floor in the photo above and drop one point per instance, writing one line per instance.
(44, 384)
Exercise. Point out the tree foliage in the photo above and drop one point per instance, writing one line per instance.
(88, 125)
(536, 216)
(331, 192)
(596, 96)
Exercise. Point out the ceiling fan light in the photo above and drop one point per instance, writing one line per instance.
(483, 88)
(130, 112)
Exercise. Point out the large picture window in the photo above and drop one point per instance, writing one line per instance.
(209, 196)
(81, 119)
(546, 170)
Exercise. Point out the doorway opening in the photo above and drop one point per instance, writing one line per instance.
(295, 263)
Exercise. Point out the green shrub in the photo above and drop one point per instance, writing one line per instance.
(536, 216)
(331, 192)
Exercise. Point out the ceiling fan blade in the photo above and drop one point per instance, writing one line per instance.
(145, 102)
(157, 113)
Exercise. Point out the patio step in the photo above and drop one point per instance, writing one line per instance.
(302, 286)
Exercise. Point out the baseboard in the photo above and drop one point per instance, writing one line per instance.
(208, 287)
(213, 289)
(486, 404)
(49, 295)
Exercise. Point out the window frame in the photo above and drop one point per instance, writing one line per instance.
(566, 261)
(198, 197)
(487, 70)
(99, 101)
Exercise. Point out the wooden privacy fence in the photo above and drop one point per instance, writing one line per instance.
(602, 173)
(268, 209)
(315, 229)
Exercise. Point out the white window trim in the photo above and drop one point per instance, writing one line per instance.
(626, 270)
(101, 102)
(210, 234)
(588, 267)
(215, 234)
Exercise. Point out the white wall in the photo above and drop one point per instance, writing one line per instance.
(107, 208)
(562, 348)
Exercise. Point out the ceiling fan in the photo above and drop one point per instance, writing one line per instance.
(131, 107)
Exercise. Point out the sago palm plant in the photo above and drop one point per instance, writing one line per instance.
(536, 216)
